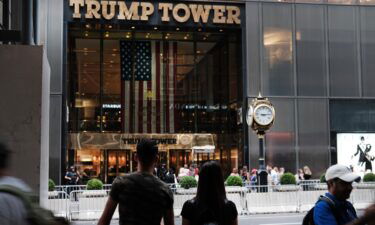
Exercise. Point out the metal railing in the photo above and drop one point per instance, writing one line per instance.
(82, 204)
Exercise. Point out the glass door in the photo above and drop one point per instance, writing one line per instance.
(178, 158)
(118, 164)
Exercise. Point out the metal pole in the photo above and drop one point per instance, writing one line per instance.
(27, 21)
(261, 151)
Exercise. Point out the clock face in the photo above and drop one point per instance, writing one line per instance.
(249, 116)
(263, 115)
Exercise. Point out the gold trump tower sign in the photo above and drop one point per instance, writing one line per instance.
(142, 11)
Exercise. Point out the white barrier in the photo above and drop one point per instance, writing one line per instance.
(89, 205)
(58, 203)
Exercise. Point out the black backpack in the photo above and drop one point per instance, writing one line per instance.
(309, 218)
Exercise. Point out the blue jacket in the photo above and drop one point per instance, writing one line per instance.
(323, 214)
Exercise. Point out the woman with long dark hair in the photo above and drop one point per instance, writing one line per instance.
(210, 205)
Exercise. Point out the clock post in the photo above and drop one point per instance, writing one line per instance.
(260, 117)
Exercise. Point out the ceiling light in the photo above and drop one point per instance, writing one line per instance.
(114, 49)
(177, 28)
(110, 26)
(133, 27)
(199, 29)
(155, 28)
(87, 25)
(221, 30)
(113, 55)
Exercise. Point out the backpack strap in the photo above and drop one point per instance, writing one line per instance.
(332, 206)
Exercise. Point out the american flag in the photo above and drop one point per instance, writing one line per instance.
(150, 68)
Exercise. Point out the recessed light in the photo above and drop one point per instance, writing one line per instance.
(110, 26)
(155, 28)
(88, 26)
(221, 30)
(133, 27)
(177, 28)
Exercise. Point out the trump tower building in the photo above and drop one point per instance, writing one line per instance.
(183, 73)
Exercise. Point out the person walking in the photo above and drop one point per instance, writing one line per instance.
(210, 205)
(12, 209)
(335, 209)
(143, 199)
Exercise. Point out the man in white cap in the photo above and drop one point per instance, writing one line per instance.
(335, 210)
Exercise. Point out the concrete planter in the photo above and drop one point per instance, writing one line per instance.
(285, 188)
(235, 189)
(365, 185)
(186, 191)
(93, 193)
(320, 186)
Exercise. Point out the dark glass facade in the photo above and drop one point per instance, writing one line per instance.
(312, 59)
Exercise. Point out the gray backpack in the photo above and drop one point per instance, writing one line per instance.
(36, 215)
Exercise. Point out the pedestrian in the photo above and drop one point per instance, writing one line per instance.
(210, 205)
(245, 174)
(142, 198)
(337, 210)
(307, 173)
(12, 209)
(275, 176)
(71, 176)
(234, 172)
(299, 176)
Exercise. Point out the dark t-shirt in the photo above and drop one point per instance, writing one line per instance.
(200, 215)
(143, 198)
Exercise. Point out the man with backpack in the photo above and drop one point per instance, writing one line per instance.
(333, 208)
(12, 209)
(18, 205)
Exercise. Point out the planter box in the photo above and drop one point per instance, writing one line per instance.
(93, 193)
(365, 185)
(186, 191)
(284, 188)
(235, 189)
(321, 186)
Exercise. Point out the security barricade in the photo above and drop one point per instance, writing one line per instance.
(58, 203)
(89, 204)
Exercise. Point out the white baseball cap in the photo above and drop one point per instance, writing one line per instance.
(342, 172)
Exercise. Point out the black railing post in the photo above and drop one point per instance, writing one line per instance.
(27, 21)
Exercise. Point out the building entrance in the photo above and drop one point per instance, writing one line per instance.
(118, 163)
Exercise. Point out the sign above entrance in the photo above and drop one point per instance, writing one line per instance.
(142, 11)
(86, 140)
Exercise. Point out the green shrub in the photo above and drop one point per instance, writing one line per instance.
(188, 182)
(323, 178)
(287, 178)
(369, 177)
(234, 181)
(94, 184)
(51, 185)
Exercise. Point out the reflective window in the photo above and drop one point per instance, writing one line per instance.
(343, 55)
(313, 135)
(280, 140)
(84, 111)
(310, 50)
(277, 74)
(368, 48)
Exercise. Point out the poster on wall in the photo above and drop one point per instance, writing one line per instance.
(356, 150)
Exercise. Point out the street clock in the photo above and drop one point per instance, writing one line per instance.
(260, 114)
